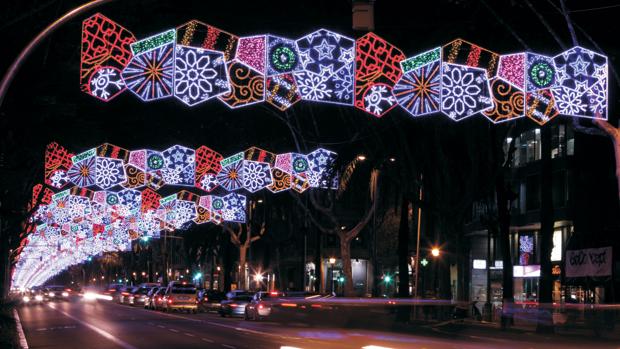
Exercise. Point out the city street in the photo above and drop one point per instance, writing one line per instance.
(109, 325)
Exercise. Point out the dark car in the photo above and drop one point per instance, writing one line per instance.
(137, 296)
(209, 300)
(113, 290)
(58, 293)
(235, 305)
(261, 305)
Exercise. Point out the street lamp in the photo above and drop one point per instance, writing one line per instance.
(361, 157)
(332, 261)
(435, 252)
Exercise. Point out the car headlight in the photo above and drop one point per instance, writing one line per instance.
(51, 294)
(38, 297)
(26, 299)
(65, 294)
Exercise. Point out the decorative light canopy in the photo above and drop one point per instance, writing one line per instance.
(113, 197)
(197, 62)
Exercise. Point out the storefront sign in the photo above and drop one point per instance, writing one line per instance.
(588, 262)
(526, 271)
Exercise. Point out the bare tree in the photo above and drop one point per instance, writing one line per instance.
(242, 236)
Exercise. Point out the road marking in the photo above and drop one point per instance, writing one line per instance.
(20, 331)
(173, 330)
(103, 333)
(42, 329)
(189, 334)
(207, 340)
(229, 346)
(160, 326)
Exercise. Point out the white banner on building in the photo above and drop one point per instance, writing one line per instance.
(588, 262)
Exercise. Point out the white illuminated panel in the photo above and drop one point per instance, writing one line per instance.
(480, 264)
(526, 271)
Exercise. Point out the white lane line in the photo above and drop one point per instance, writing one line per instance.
(207, 340)
(189, 334)
(160, 326)
(103, 333)
(20, 331)
(173, 330)
(229, 346)
(41, 329)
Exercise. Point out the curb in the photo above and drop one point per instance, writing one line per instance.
(23, 344)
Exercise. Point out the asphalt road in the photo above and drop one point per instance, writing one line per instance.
(107, 325)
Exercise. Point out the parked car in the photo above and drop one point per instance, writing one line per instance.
(181, 296)
(123, 297)
(235, 303)
(137, 296)
(261, 304)
(149, 302)
(209, 300)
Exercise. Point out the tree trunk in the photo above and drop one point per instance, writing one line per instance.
(243, 250)
(345, 255)
(545, 323)
(403, 259)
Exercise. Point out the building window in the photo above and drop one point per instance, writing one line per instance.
(528, 144)
(532, 193)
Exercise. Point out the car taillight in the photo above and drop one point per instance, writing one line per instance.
(233, 305)
(169, 301)
(111, 290)
(125, 293)
(289, 305)
(206, 299)
(260, 306)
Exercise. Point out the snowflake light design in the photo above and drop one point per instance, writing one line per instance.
(464, 91)
(256, 175)
(179, 165)
(378, 100)
(231, 176)
(109, 172)
(106, 83)
(82, 173)
(200, 75)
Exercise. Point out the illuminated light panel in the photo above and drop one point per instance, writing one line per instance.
(105, 52)
(198, 34)
(234, 208)
(207, 167)
(137, 158)
(150, 74)
(256, 175)
(422, 59)
(112, 151)
(247, 85)
(324, 52)
(179, 166)
(419, 90)
(540, 72)
(251, 51)
(282, 91)
(540, 106)
(508, 102)
(464, 91)
(57, 163)
(512, 69)
(281, 180)
(230, 176)
(284, 162)
(582, 78)
(83, 171)
(109, 172)
(282, 55)
(336, 88)
(199, 75)
(153, 42)
(377, 69)
(136, 177)
(465, 53)
(260, 155)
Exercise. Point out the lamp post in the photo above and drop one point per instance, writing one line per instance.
(332, 261)
(435, 252)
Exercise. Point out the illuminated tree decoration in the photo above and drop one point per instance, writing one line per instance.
(581, 83)
(109, 172)
(540, 106)
(256, 175)
(422, 59)
(251, 51)
(200, 75)
(512, 69)
(179, 166)
(230, 176)
(82, 172)
(377, 70)
(105, 53)
(282, 55)
(419, 90)
(197, 34)
(282, 91)
(465, 53)
(247, 86)
(540, 72)
(234, 208)
(508, 102)
(464, 91)
(150, 73)
(57, 163)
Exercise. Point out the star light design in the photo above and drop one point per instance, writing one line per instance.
(325, 50)
(579, 66)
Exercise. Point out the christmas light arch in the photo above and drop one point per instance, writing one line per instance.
(197, 62)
